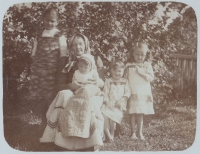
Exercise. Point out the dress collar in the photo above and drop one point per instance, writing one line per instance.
(49, 33)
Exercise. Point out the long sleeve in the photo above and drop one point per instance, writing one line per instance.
(75, 80)
(106, 90)
(62, 78)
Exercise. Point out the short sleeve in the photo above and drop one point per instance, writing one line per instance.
(63, 46)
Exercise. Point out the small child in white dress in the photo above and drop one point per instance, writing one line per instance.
(116, 93)
(139, 73)
(87, 77)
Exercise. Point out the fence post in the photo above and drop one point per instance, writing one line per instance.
(187, 65)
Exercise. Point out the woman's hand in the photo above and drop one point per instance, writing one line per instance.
(92, 81)
(98, 82)
(73, 86)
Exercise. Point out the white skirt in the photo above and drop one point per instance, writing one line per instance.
(53, 134)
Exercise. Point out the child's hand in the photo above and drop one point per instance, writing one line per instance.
(141, 73)
(108, 104)
(119, 105)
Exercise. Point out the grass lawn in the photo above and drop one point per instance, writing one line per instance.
(172, 128)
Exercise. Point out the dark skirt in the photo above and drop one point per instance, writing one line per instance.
(44, 70)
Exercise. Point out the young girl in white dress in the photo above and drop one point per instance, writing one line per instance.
(139, 73)
(116, 93)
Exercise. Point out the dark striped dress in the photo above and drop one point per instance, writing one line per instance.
(44, 69)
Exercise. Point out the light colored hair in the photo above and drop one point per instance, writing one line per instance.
(117, 64)
(142, 46)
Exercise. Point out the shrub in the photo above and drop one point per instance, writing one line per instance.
(112, 27)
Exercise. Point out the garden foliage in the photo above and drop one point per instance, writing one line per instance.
(112, 27)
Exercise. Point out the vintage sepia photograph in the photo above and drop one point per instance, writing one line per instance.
(99, 76)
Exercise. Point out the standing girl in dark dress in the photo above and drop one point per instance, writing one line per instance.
(49, 56)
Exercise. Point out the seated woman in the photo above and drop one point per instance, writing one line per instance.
(79, 45)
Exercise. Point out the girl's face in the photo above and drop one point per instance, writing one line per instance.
(50, 21)
(139, 55)
(78, 46)
(84, 67)
(117, 73)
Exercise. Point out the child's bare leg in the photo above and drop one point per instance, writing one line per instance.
(112, 128)
(132, 122)
(140, 125)
(107, 128)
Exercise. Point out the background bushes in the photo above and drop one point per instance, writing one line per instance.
(112, 27)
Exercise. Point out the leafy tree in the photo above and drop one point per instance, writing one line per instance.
(112, 27)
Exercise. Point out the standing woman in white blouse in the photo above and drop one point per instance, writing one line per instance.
(49, 58)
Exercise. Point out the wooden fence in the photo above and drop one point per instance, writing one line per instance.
(188, 66)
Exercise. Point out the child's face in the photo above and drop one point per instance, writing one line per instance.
(78, 46)
(50, 21)
(117, 73)
(139, 55)
(84, 67)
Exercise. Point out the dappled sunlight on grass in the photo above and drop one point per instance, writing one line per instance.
(32, 119)
(172, 128)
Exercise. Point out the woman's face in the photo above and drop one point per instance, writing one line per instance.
(139, 55)
(78, 46)
(50, 21)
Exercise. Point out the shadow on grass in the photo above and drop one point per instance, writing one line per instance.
(24, 124)
(172, 128)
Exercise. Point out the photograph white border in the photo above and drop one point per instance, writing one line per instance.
(194, 149)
